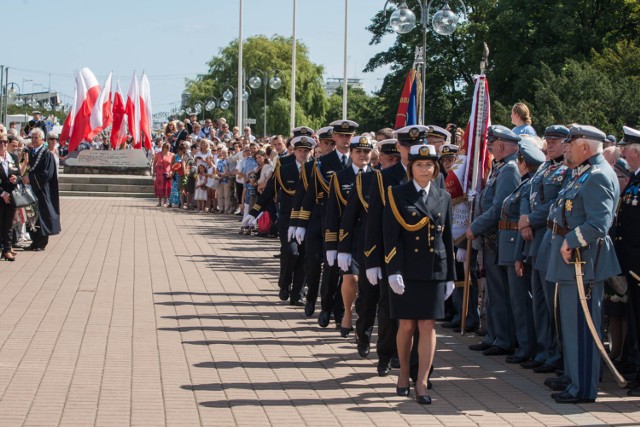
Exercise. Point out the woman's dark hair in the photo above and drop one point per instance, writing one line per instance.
(435, 172)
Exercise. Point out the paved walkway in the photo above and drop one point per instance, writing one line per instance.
(121, 322)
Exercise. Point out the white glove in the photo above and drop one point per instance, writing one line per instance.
(448, 289)
(396, 283)
(331, 257)
(291, 233)
(373, 275)
(344, 261)
(461, 255)
(300, 231)
(248, 221)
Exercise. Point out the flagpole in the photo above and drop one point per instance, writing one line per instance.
(292, 120)
(240, 90)
(344, 82)
(472, 196)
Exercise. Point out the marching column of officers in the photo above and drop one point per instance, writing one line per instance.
(382, 239)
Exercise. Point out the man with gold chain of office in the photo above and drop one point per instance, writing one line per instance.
(581, 224)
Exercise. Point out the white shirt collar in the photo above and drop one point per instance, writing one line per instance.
(418, 188)
(299, 165)
(357, 169)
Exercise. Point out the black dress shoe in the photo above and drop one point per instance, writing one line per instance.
(556, 384)
(323, 319)
(402, 391)
(363, 349)
(544, 369)
(635, 391)
(33, 248)
(295, 302)
(516, 359)
(395, 363)
(480, 347)
(423, 400)
(565, 397)
(309, 308)
(496, 351)
(450, 325)
(344, 332)
(283, 294)
(467, 329)
(531, 364)
(384, 368)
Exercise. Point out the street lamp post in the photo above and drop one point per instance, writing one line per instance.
(273, 81)
(445, 23)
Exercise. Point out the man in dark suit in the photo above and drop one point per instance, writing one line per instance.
(36, 122)
(282, 187)
(44, 181)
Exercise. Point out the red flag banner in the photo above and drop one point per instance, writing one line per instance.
(87, 91)
(401, 116)
(119, 128)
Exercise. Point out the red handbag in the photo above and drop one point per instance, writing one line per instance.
(264, 223)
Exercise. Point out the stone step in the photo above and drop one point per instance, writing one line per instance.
(106, 188)
(105, 179)
(106, 194)
(80, 185)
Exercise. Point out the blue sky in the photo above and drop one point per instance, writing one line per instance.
(171, 40)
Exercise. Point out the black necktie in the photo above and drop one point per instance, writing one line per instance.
(422, 193)
(344, 161)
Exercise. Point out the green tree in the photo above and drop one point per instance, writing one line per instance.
(521, 35)
(268, 55)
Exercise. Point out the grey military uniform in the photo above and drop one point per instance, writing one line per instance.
(583, 216)
(503, 180)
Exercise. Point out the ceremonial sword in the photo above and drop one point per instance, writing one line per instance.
(592, 328)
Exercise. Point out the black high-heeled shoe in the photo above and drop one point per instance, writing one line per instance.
(8, 256)
(344, 332)
(423, 400)
(402, 391)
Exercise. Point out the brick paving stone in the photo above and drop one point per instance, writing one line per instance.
(137, 315)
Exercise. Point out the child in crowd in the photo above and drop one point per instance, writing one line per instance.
(250, 198)
(212, 184)
(200, 195)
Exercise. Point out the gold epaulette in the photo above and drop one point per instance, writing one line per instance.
(304, 215)
(330, 236)
(281, 184)
(365, 205)
(409, 227)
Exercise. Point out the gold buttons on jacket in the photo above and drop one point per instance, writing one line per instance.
(417, 237)
(415, 250)
(414, 214)
(431, 250)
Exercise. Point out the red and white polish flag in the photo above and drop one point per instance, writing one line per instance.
(87, 92)
(133, 110)
(145, 111)
(119, 127)
(101, 116)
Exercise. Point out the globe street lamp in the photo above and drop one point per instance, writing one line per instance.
(274, 82)
(444, 22)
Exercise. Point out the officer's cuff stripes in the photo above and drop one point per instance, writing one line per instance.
(390, 255)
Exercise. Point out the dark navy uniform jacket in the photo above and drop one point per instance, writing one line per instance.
(340, 187)
(306, 174)
(324, 168)
(281, 187)
(354, 219)
(627, 239)
(418, 239)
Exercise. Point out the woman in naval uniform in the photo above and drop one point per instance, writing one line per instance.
(419, 258)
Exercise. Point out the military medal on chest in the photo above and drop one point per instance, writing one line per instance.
(568, 205)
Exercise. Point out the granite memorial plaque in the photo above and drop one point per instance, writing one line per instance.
(123, 162)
